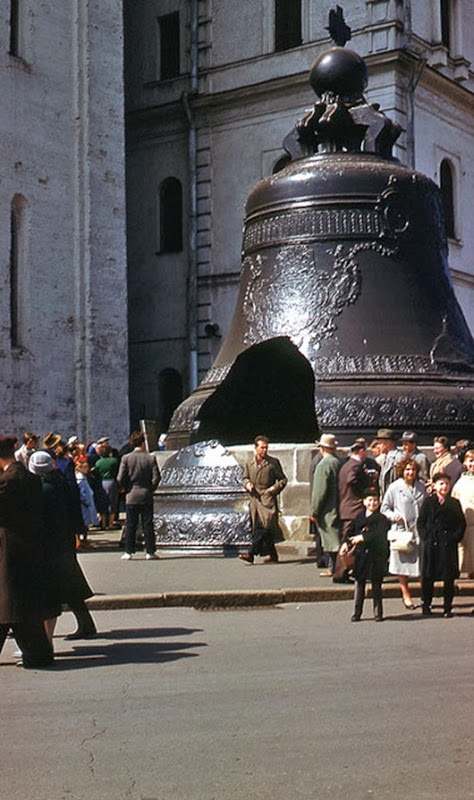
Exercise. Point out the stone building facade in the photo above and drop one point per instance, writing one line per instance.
(63, 298)
(212, 89)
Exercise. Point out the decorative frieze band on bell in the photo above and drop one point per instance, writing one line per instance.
(344, 268)
(314, 223)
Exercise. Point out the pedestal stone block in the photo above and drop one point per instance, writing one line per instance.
(295, 499)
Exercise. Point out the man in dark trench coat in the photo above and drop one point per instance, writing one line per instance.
(264, 479)
(22, 597)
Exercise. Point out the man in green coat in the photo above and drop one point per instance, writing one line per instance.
(325, 499)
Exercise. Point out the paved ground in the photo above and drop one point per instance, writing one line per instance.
(179, 580)
(262, 704)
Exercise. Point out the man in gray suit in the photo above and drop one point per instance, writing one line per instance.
(392, 455)
(138, 476)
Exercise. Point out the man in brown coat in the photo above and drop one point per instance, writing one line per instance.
(264, 479)
(353, 482)
(22, 599)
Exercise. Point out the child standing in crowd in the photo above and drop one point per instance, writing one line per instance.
(369, 532)
(441, 526)
(88, 509)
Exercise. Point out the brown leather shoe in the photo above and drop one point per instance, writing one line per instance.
(246, 557)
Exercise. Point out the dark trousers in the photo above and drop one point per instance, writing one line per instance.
(318, 547)
(427, 586)
(32, 640)
(263, 544)
(133, 514)
(331, 558)
(359, 595)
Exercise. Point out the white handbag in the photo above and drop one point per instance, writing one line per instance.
(403, 541)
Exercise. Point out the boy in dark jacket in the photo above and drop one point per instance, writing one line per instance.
(441, 525)
(369, 532)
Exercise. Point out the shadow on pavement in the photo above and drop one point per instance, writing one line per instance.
(84, 657)
(142, 633)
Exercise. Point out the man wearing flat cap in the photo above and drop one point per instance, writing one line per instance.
(325, 499)
(392, 455)
(353, 482)
(409, 447)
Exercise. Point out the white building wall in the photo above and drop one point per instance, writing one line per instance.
(62, 149)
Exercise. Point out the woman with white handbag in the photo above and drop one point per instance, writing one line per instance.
(401, 504)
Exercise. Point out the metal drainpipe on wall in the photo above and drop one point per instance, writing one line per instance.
(411, 85)
(192, 161)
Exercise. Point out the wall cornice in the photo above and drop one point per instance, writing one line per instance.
(281, 89)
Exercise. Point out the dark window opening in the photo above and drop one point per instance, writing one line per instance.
(169, 46)
(446, 182)
(14, 277)
(287, 24)
(170, 388)
(270, 390)
(171, 216)
(14, 47)
(445, 23)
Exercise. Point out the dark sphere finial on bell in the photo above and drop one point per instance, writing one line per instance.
(340, 72)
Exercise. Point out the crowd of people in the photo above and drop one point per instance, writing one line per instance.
(90, 470)
(388, 510)
(52, 493)
(385, 509)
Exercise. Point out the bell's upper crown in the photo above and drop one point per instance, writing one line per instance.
(342, 120)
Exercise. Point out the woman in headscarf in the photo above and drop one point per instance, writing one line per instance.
(67, 581)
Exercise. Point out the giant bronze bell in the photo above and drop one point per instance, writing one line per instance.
(345, 291)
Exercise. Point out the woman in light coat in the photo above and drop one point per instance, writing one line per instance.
(442, 455)
(401, 504)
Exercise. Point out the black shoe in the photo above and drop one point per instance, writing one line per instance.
(378, 618)
(448, 614)
(246, 557)
(426, 611)
(35, 665)
(355, 618)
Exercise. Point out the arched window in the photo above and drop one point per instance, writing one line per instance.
(17, 270)
(171, 216)
(446, 182)
(170, 388)
(287, 24)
